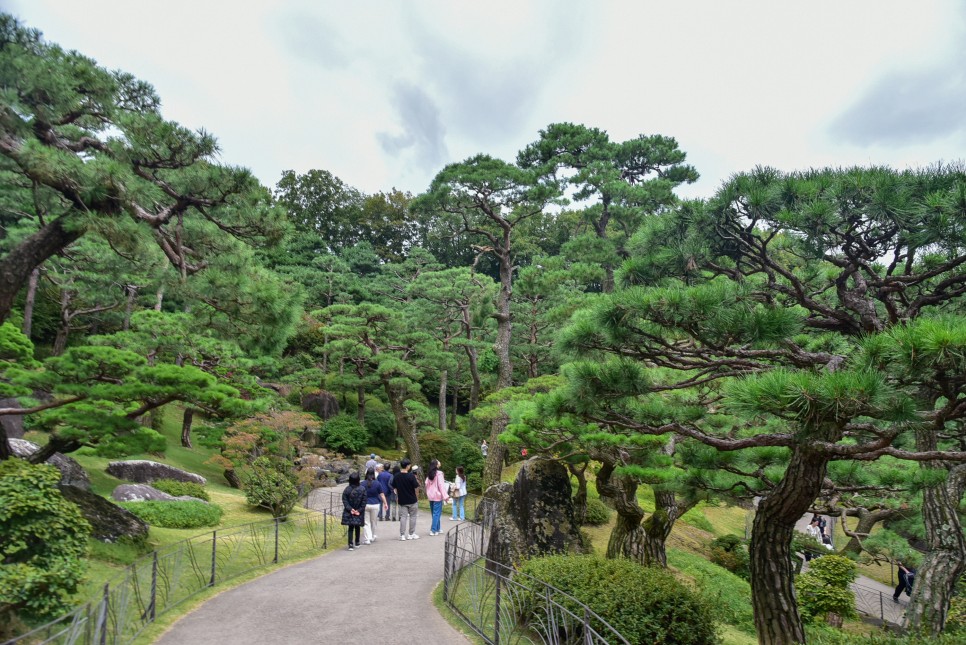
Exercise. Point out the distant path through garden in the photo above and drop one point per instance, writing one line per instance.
(377, 593)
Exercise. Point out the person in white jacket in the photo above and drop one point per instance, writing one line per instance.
(458, 493)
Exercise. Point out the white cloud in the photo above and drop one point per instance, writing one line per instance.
(383, 93)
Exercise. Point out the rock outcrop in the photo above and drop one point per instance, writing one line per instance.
(109, 522)
(143, 471)
(532, 516)
(145, 493)
(71, 472)
(12, 424)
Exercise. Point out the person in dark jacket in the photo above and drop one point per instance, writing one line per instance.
(385, 479)
(353, 509)
(906, 576)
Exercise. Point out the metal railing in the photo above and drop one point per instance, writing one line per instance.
(158, 582)
(504, 606)
(879, 604)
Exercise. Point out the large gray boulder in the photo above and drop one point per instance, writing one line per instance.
(12, 424)
(71, 472)
(144, 472)
(109, 522)
(146, 493)
(532, 516)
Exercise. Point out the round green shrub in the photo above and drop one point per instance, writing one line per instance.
(44, 541)
(270, 488)
(824, 588)
(179, 489)
(344, 434)
(597, 513)
(176, 515)
(645, 604)
(729, 551)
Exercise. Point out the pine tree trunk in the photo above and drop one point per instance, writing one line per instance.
(186, 420)
(494, 460)
(63, 331)
(442, 401)
(231, 476)
(627, 538)
(132, 292)
(473, 358)
(18, 263)
(657, 527)
(777, 621)
(945, 560)
(28, 307)
(403, 427)
(867, 521)
(361, 401)
(580, 497)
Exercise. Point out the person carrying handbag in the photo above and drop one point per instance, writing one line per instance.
(457, 491)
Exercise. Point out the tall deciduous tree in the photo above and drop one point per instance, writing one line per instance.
(488, 199)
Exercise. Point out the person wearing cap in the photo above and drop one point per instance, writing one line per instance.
(371, 464)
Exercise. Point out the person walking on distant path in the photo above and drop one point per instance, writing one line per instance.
(372, 462)
(484, 448)
(458, 493)
(384, 477)
(375, 504)
(905, 581)
(436, 493)
(353, 507)
(406, 486)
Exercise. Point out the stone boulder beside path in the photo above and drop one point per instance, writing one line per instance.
(143, 471)
(146, 493)
(71, 472)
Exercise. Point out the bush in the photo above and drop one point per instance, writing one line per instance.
(270, 488)
(178, 489)
(44, 539)
(729, 551)
(176, 515)
(597, 513)
(381, 425)
(824, 589)
(728, 594)
(344, 434)
(645, 604)
(452, 449)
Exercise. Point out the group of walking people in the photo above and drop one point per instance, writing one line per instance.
(392, 496)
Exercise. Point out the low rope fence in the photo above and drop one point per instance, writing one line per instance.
(162, 580)
(504, 606)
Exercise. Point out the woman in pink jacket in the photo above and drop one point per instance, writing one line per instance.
(436, 493)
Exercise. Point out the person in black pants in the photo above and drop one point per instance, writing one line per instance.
(353, 509)
(905, 582)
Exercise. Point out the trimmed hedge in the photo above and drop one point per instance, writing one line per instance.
(178, 489)
(176, 515)
(597, 513)
(645, 604)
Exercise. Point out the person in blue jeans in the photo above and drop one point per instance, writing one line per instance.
(384, 477)
(436, 493)
(458, 491)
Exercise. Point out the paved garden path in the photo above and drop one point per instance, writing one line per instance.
(377, 593)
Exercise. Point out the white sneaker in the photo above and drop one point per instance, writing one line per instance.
(413, 537)
(367, 542)
(374, 537)
(403, 538)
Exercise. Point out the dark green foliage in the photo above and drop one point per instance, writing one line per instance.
(452, 449)
(176, 515)
(178, 489)
(646, 605)
(597, 513)
(381, 426)
(474, 482)
(729, 551)
(824, 588)
(43, 539)
(343, 433)
(270, 488)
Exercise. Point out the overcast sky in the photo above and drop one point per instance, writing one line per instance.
(384, 93)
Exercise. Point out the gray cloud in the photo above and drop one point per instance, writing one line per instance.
(312, 39)
(423, 131)
(911, 107)
(906, 108)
